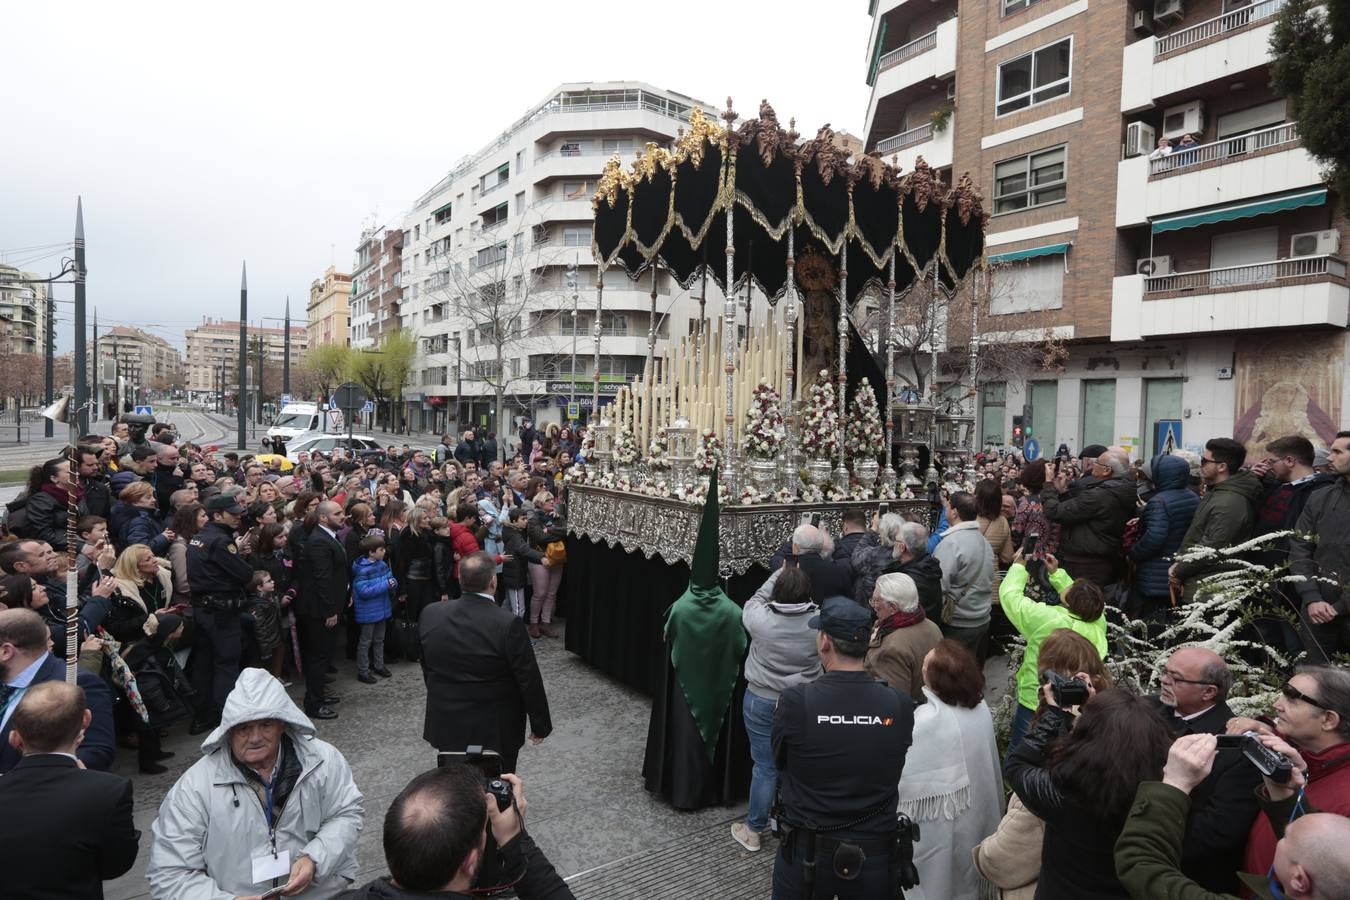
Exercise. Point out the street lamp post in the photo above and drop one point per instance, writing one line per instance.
(241, 406)
(81, 369)
(572, 287)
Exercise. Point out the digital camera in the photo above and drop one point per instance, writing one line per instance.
(1067, 691)
(1275, 766)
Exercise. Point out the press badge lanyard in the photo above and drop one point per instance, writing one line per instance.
(271, 864)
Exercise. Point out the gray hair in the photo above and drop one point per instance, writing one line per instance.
(808, 537)
(915, 537)
(898, 590)
(1217, 673)
(1117, 462)
(888, 529)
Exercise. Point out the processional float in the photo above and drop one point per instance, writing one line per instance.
(813, 230)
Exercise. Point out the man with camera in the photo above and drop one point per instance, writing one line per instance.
(1310, 861)
(839, 743)
(1193, 699)
(435, 842)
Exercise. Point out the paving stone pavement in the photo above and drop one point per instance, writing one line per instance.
(588, 808)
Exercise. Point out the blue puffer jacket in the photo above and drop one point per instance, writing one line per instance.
(130, 524)
(371, 589)
(1164, 521)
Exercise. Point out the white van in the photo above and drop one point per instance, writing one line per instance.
(298, 418)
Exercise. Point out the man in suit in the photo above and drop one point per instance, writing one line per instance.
(75, 828)
(813, 551)
(323, 596)
(1192, 699)
(26, 660)
(481, 675)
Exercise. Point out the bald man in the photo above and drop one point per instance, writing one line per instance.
(1193, 699)
(323, 594)
(1092, 519)
(1310, 859)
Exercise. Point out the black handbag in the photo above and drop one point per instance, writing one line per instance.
(402, 634)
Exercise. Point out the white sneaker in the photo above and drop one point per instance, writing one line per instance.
(745, 837)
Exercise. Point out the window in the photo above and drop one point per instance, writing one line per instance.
(621, 146)
(490, 255)
(1038, 76)
(443, 214)
(417, 232)
(1035, 284)
(518, 242)
(1036, 179)
(576, 190)
(520, 160)
(495, 216)
(570, 148)
(993, 401)
(1041, 411)
(577, 236)
(520, 203)
(1099, 413)
(1012, 6)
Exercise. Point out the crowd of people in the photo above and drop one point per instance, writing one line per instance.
(1099, 792)
(864, 671)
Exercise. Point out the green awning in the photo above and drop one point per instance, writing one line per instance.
(1244, 210)
(1030, 253)
(437, 212)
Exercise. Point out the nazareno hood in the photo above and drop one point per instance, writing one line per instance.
(258, 695)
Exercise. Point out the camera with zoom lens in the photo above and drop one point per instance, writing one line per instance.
(1066, 691)
(1270, 763)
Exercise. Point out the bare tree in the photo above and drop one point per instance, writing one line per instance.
(510, 305)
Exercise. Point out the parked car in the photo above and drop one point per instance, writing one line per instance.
(360, 445)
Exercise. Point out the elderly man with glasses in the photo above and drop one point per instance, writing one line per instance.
(1313, 715)
(1193, 700)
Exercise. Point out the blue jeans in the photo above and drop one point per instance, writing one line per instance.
(758, 713)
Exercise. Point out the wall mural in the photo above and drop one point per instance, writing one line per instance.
(1288, 384)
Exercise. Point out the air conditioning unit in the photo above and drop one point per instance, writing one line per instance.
(1143, 21)
(951, 89)
(1189, 118)
(1315, 243)
(1167, 10)
(1139, 139)
(1154, 265)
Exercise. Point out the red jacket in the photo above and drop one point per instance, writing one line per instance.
(463, 543)
(1328, 791)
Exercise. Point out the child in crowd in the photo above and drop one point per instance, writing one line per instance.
(266, 612)
(373, 586)
(514, 576)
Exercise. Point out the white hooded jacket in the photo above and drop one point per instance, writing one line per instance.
(211, 824)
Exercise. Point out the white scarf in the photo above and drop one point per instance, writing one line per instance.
(935, 783)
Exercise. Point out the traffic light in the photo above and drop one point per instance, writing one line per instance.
(1019, 432)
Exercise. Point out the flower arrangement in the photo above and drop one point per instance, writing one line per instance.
(695, 492)
(625, 447)
(657, 452)
(820, 419)
(864, 435)
(655, 489)
(764, 432)
(811, 493)
(783, 495)
(859, 491)
(709, 454)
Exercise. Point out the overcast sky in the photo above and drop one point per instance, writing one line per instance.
(201, 135)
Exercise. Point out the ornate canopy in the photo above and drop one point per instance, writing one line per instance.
(670, 207)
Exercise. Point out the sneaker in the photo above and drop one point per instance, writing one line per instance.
(745, 837)
(366, 678)
(383, 672)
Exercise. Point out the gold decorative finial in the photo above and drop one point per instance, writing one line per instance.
(730, 114)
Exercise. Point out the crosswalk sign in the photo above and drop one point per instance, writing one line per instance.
(1166, 435)
(145, 411)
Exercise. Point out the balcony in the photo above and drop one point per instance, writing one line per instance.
(1255, 164)
(907, 146)
(1214, 49)
(931, 56)
(1285, 293)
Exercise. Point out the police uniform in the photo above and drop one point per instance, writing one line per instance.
(840, 744)
(218, 577)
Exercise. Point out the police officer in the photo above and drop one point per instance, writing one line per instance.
(218, 577)
(840, 744)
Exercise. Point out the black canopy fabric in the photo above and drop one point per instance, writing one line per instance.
(670, 208)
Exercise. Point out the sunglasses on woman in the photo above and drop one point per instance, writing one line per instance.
(1292, 693)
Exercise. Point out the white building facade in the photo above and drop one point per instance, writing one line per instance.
(488, 250)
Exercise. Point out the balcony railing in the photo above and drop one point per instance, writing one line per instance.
(1223, 24)
(1231, 148)
(487, 189)
(626, 150)
(1263, 274)
(488, 226)
(907, 51)
(906, 139)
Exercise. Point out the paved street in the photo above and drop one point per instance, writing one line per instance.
(588, 808)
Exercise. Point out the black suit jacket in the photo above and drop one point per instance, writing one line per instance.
(1222, 806)
(481, 675)
(96, 751)
(67, 829)
(327, 581)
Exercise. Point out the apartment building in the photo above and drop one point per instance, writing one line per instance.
(329, 309)
(377, 279)
(1201, 291)
(23, 312)
(142, 359)
(489, 248)
(213, 348)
